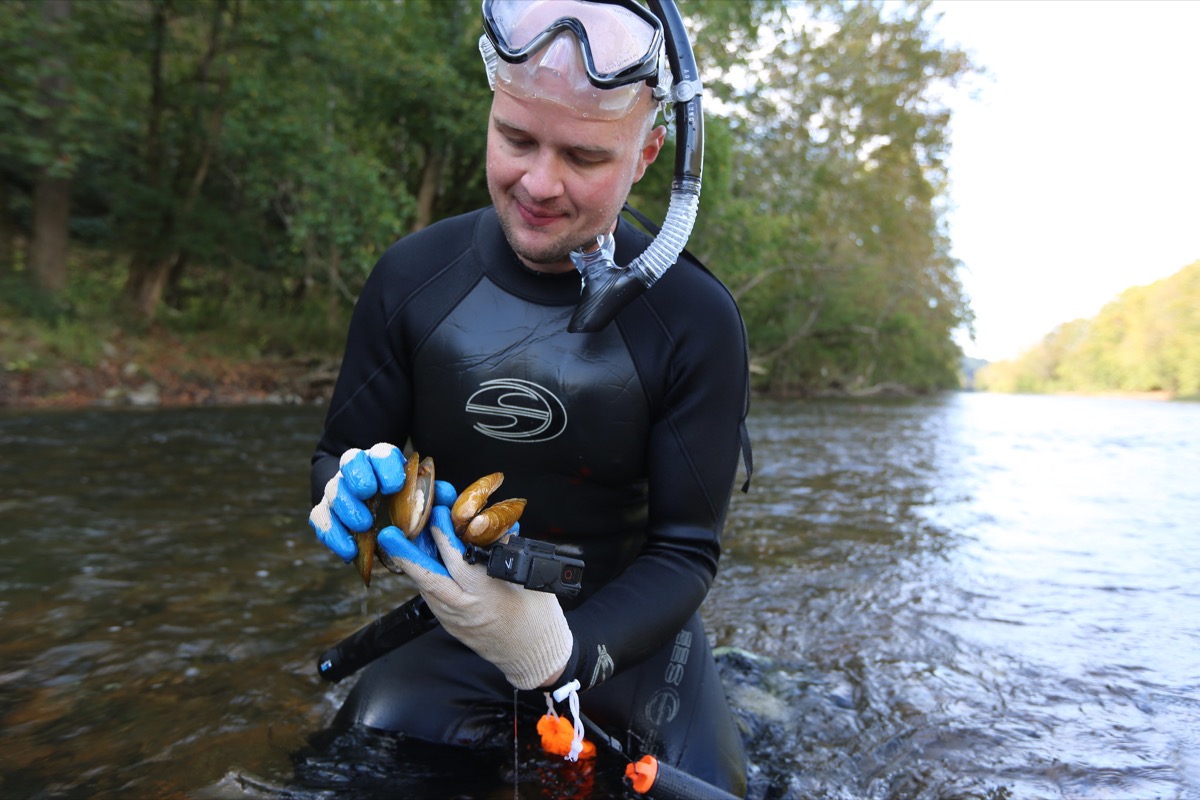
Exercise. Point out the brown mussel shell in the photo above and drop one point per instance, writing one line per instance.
(364, 561)
(410, 507)
(493, 522)
(473, 499)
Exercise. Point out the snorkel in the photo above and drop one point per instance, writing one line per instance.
(607, 287)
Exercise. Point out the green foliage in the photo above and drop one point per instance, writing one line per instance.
(233, 319)
(828, 223)
(1147, 340)
(42, 330)
(45, 125)
(255, 157)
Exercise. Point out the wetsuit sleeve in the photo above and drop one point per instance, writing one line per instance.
(692, 462)
(372, 399)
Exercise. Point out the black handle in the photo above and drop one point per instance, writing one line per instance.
(655, 780)
(395, 628)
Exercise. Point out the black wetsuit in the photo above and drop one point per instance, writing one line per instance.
(625, 443)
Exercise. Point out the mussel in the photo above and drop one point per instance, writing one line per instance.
(481, 526)
(474, 521)
(408, 509)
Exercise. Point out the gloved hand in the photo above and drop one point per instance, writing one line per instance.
(362, 474)
(522, 632)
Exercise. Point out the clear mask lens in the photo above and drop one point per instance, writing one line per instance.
(617, 44)
(557, 75)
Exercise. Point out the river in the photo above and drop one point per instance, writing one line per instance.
(966, 596)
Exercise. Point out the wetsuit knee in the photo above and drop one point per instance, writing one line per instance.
(433, 689)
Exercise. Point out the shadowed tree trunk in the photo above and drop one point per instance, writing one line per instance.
(8, 228)
(51, 193)
(144, 286)
(51, 222)
(431, 180)
(159, 259)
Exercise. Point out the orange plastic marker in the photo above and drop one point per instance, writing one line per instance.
(556, 733)
(664, 782)
(642, 774)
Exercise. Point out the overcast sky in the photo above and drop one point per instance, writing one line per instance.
(1075, 172)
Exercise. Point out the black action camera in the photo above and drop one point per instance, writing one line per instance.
(533, 564)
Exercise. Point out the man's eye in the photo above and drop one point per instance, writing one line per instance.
(520, 143)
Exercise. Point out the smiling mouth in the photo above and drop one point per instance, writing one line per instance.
(536, 217)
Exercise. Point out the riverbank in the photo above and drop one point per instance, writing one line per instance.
(78, 366)
(163, 371)
(170, 375)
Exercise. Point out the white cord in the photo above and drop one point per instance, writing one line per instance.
(516, 756)
(571, 692)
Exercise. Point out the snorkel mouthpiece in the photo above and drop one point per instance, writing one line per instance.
(608, 288)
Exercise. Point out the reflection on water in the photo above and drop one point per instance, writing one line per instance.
(967, 596)
(990, 593)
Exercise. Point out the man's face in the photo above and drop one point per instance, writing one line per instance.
(558, 179)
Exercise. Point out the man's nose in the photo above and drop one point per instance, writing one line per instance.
(543, 179)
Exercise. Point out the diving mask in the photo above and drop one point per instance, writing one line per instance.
(590, 55)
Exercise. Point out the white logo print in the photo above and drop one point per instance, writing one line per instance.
(604, 666)
(517, 411)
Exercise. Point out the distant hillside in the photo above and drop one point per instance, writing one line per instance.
(1147, 340)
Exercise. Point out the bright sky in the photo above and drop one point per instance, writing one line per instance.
(1075, 172)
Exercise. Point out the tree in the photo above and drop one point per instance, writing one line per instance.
(293, 136)
(189, 66)
(37, 133)
(58, 98)
(1148, 339)
(270, 149)
(836, 188)
(52, 186)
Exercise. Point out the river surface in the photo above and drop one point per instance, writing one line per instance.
(967, 596)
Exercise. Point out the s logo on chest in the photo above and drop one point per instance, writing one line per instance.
(517, 411)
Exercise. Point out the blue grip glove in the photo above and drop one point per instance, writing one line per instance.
(343, 509)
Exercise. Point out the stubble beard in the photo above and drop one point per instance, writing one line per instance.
(554, 254)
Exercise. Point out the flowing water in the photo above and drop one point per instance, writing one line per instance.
(965, 596)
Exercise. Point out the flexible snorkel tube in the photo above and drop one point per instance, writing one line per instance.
(608, 288)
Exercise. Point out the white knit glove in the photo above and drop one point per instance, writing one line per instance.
(521, 631)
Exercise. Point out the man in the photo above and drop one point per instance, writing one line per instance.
(624, 440)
